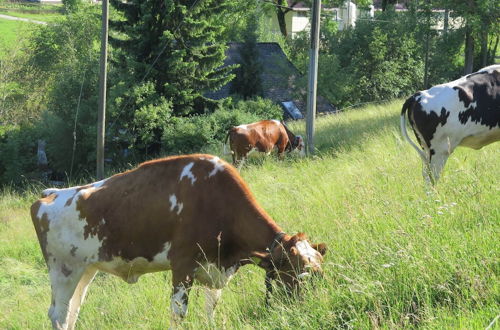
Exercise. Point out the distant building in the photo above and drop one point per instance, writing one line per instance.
(297, 20)
(279, 80)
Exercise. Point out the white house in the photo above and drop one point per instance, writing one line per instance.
(297, 20)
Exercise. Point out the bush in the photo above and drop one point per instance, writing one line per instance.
(203, 132)
(379, 60)
(18, 154)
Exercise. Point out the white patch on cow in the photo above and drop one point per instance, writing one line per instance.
(131, 270)
(66, 229)
(162, 257)
(186, 171)
(218, 166)
(99, 184)
(174, 204)
(433, 99)
(491, 68)
(245, 127)
(212, 276)
(178, 305)
(277, 122)
(307, 251)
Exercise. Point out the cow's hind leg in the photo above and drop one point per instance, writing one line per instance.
(212, 296)
(69, 286)
(437, 162)
(438, 156)
(182, 283)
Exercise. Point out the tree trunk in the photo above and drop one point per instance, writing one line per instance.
(484, 46)
(469, 50)
(446, 21)
(493, 51)
(280, 14)
(427, 41)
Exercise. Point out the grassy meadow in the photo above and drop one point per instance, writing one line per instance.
(399, 255)
(10, 32)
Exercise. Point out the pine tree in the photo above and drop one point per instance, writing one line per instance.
(248, 81)
(175, 45)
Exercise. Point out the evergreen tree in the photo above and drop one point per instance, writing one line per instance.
(248, 81)
(175, 45)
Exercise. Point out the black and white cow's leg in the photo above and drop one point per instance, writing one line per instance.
(212, 296)
(69, 286)
(438, 156)
(436, 165)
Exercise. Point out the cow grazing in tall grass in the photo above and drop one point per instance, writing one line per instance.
(262, 136)
(464, 112)
(192, 214)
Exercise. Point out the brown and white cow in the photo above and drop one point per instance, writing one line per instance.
(262, 136)
(464, 112)
(191, 214)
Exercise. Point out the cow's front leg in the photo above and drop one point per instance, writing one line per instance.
(281, 153)
(181, 286)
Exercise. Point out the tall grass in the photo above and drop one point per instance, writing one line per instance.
(399, 256)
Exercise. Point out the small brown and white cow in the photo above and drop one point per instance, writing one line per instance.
(191, 214)
(262, 136)
(464, 112)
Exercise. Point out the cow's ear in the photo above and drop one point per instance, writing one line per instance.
(321, 248)
(262, 259)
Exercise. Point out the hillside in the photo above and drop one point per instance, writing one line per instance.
(398, 256)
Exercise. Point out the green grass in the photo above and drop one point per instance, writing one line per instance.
(10, 32)
(36, 11)
(398, 256)
(33, 16)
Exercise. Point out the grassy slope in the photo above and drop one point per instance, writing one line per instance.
(35, 11)
(9, 32)
(398, 256)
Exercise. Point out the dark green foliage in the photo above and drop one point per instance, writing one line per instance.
(18, 153)
(248, 81)
(174, 45)
(72, 5)
(59, 62)
(137, 132)
(203, 132)
(381, 59)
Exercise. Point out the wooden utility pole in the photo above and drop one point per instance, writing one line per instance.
(101, 115)
(427, 37)
(313, 77)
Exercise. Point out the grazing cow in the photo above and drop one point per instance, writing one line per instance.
(262, 136)
(191, 214)
(464, 112)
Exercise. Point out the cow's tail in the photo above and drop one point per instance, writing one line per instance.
(225, 142)
(406, 107)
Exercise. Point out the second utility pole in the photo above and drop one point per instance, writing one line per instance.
(313, 77)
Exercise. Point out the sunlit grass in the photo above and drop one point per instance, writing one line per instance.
(399, 256)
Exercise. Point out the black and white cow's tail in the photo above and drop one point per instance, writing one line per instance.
(406, 106)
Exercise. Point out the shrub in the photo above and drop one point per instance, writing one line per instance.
(18, 154)
(202, 132)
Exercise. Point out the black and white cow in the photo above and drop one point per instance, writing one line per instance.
(464, 112)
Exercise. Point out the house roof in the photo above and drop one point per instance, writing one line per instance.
(279, 77)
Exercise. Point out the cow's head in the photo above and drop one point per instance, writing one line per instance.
(299, 145)
(293, 261)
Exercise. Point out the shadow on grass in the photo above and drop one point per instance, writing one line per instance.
(341, 136)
